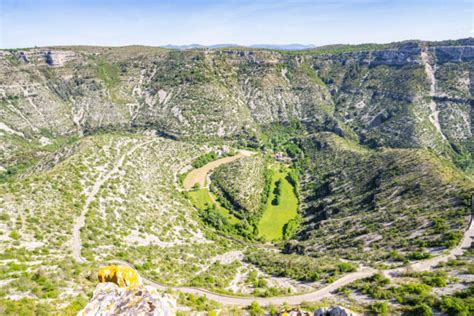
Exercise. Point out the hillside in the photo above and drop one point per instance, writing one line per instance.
(379, 201)
(381, 96)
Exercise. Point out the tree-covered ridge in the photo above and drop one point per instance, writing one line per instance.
(355, 198)
(241, 183)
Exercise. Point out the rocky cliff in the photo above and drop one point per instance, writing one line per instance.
(381, 95)
(122, 293)
(109, 299)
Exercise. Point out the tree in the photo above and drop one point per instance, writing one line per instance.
(277, 192)
(255, 309)
(290, 228)
(380, 308)
(421, 310)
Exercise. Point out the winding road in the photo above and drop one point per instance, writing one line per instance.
(324, 292)
(199, 175)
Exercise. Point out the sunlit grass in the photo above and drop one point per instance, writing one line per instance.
(276, 216)
(202, 200)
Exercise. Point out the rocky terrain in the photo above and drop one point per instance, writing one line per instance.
(376, 140)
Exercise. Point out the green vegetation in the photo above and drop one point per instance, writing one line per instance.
(204, 159)
(298, 267)
(240, 186)
(416, 298)
(213, 214)
(277, 192)
(109, 73)
(275, 221)
(290, 228)
(338, 49)
(351, 192)
(380, 308)
(255, 310)
(460, 303)
(201, 198)
(197, 303)
(369, 178)
(416, 255)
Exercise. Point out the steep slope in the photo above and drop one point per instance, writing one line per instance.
(387, 96)
(383, 94)
(125, 186)
(358, 199)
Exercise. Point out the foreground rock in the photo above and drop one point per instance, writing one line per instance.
(109, 299)
(112, 298)
(333, 311)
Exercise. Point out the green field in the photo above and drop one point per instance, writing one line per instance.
(276, 216)
(201, 199)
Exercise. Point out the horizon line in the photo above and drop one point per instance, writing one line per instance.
(225, 45)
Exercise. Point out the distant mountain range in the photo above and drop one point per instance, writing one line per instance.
(266, 46)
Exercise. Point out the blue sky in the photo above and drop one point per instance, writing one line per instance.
(26, 23)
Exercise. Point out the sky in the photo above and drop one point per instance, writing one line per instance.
(28, 23)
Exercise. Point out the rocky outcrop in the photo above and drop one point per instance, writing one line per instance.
(110, 299)
(121, 292)
(120, 275)
(378, 93)
(58, 58)
(333, 311)
(454, 54)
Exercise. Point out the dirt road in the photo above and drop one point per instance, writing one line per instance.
(324, 292)
(199, 175)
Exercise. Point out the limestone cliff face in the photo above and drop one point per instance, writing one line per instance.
(383, 95)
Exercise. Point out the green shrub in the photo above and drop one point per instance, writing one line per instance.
(293, 266)
(440, 226)
(436, 281)
(380, 279)
(255, 309)
(277, 193)
(206, 158)
(452, 239)
(346, 267)
(197, 303)
(470, 269)
(413, 294)
(421, 310)
(14, 235)
(380, 308)
(454, 306)
(290, 228)
(417, 255)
